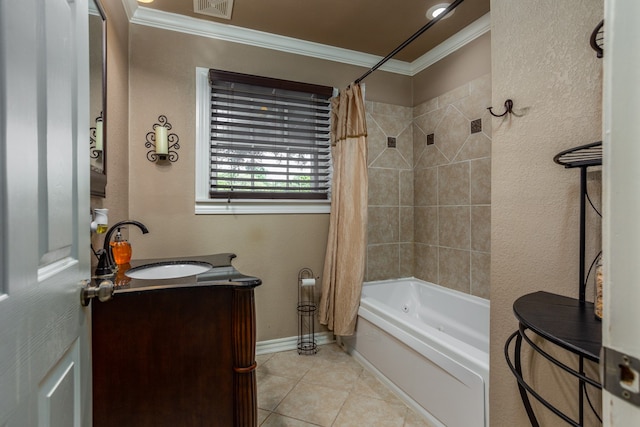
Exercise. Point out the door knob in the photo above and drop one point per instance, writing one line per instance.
(104, 291)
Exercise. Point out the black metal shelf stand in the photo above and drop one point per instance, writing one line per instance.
(583, 157)
(568, 323)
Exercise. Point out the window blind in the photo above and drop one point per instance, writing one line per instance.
(269, 138)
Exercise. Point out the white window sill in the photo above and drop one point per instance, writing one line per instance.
(256, 207)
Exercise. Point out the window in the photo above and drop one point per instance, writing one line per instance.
(264, 144)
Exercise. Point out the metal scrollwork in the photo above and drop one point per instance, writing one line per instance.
(94, 153)
(172, 138)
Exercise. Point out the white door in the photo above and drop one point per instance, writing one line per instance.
(621, 233)
(45, 367)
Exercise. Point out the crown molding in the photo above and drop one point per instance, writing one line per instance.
(469, 33)
(199, 27)
(130, 7)
(203, 28)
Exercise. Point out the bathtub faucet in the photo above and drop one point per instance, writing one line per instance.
(105, 262)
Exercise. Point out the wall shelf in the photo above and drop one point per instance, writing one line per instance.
(582, 156)
(565, 322)
(569, 323)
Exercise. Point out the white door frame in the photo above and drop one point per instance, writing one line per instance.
(621, 195)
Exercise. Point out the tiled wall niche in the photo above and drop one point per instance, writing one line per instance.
(430, 203)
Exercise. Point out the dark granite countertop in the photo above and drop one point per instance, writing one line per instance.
(222, 273)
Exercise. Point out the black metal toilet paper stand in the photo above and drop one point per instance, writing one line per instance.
(306, 313)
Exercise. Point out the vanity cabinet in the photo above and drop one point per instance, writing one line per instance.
(176, 354)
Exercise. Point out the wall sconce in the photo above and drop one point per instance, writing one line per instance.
(162, 143)
(95, 138)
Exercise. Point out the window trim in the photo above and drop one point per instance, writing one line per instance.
(208, 206)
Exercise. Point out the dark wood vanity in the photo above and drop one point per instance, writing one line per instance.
(177, 352)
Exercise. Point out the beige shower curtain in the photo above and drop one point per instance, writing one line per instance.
(345, 258)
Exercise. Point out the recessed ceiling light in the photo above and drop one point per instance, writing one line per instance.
(437, 9)
(145, 1)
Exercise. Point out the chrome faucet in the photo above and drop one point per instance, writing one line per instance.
(105, 262)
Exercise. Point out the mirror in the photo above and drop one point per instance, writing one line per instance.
(98, 97)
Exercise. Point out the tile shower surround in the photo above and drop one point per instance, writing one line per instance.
(430, 204)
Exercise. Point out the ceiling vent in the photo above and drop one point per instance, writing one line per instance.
(215, 8)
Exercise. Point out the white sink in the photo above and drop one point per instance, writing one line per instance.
(168, 270)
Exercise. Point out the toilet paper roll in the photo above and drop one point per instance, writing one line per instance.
(308, 282)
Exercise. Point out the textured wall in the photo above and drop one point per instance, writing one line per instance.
(465, 64)
(541, 59)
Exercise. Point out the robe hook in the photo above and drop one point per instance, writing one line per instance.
(508, 105)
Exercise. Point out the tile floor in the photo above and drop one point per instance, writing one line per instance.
(328, 389)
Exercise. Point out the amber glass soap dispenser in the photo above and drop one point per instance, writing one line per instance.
(121, 249)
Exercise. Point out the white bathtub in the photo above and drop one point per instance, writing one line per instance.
(428, 343)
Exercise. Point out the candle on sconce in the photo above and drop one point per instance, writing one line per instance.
(162, 145)
(99, 135)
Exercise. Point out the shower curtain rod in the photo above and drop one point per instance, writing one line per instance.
(410, 39)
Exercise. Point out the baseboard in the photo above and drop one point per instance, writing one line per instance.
(290, 343)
